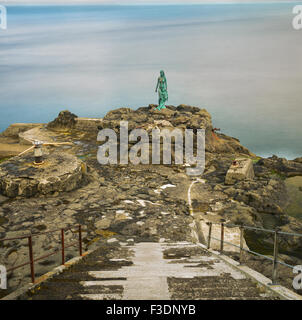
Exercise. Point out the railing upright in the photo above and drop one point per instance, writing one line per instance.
(277, 233)
(80, 240)
(63, 246)
(241, 245)
(31, 259)
(275, 262)
(209, 235)
(222, 237)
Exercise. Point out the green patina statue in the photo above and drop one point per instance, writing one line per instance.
(162, 88)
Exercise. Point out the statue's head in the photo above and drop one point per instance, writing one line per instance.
(162, 74)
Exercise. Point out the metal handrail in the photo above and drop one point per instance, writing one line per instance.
(276, 233)
(32, 261)
(256, 228)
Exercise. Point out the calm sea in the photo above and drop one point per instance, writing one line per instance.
(240, 62)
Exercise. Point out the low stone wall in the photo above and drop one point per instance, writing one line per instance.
(38, 133)
(14, 129)
(88, 124)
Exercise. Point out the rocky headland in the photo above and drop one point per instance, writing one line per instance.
(133, 203)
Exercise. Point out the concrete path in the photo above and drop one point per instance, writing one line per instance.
(151, 271)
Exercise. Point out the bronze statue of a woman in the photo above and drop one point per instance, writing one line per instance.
(162, 88)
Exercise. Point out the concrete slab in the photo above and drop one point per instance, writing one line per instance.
(241, 169)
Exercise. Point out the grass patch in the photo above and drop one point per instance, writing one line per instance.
(105, 233)
(4, 159)
(256, 160)
(276, 174)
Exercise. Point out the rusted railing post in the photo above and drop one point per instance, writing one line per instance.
(241, 245)
(275, 263)
(222, 237)
(62, 246)
(209, 235)
(80, 239)
(31, 259)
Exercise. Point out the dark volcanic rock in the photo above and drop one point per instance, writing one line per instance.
(181, 117)
(289, 168)
(65, 120)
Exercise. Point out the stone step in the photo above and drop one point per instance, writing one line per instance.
(218, 292)
(103, 283)
(98, 266)
(101, 296)
(151, 271)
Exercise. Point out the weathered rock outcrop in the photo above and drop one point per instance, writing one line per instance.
(65, 120)
(181, 117)
(289, 168)
(88, 124)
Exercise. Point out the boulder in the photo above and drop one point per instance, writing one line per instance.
(103, 224)
(65, 120)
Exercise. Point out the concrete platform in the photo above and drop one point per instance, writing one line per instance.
(241, 169)
(59, 172)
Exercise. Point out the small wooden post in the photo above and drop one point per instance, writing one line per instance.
(222, 238)
(80, 240)
(241, 245)
(62, 246)
(209, 235)
(275, 263)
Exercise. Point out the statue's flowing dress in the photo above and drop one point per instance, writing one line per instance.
(162, 93)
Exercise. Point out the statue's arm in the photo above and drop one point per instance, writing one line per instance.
(157, 85)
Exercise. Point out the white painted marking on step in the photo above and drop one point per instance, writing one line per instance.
(168, 186)
(119, 260)
(103, 283)
(143, 202)
(101, 296)
(147, 276)
(128, 201)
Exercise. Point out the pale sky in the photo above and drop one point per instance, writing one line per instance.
(7, 2)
